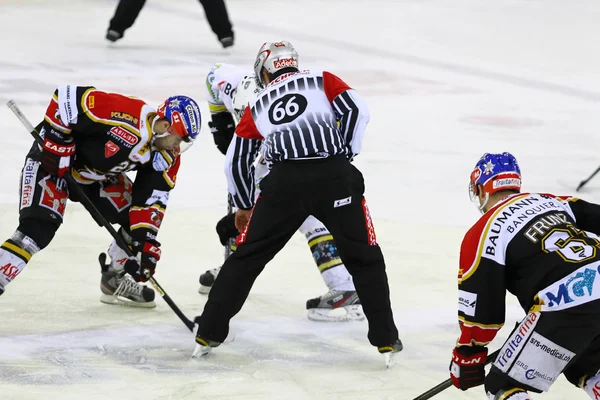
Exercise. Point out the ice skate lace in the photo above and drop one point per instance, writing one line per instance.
(128, 286)
(331, 294)
(215, 271)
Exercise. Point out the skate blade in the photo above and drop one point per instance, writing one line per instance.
(390, 359)
(204, 289)
(123, 301)
(200, 351)
(342, 314)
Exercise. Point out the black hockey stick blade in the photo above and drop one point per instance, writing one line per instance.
(100, 219)
(585, 181)
(448, 382)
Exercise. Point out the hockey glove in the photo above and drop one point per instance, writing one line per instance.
(222, 127)
(467, 366)
(57, 153)
(226, 228)
(148, 254)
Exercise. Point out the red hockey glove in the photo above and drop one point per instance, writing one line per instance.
(148, 254)
(467, 366)
(57, 155)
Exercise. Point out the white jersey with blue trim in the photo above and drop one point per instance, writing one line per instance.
(221, 82)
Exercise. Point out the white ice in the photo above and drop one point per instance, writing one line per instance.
(445, 80)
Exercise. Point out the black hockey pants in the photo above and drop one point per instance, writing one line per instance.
(331, 190)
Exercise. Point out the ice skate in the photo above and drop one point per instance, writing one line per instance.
(203, 347)
(113, 35)
(119, 288)
(390, 353)
(207, 279)
(226, 41)
(335, 306)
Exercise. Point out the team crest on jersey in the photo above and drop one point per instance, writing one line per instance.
(110, 149)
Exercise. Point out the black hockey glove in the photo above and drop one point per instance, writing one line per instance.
(467, 366)
(148, 254)
(222, 127)
(58, 152)
(226, 228)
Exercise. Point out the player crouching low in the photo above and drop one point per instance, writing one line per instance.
(97, 137)
(543, 249)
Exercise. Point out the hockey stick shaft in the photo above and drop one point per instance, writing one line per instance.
(100, 219)
(448, 382)
(585, 181)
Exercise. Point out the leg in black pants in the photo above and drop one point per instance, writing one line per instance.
(343, 210)
(218, 18)
(125, 15)
(277, 215)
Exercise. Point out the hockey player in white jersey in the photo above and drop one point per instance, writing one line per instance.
(230, 89)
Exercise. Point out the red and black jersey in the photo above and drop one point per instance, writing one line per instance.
(542, 248)
(113, 135)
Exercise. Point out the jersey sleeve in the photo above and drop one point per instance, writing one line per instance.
(63, 112)
(351, 111)
(150, 196)
(215, 103)
(481, 290)
(587, 215)
(246, 128)
(239, 170)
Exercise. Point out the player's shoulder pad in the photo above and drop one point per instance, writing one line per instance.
(485, 239)
(210, 79)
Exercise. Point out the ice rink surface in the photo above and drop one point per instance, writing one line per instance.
(445, 82)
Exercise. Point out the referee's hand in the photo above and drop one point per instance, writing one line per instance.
(241, 219)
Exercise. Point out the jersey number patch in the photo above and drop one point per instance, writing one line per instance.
(572, 245)
(287, 109)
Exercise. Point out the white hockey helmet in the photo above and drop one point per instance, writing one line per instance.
(275, 57)
(245, 91)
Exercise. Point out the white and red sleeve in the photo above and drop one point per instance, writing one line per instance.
(351, 110)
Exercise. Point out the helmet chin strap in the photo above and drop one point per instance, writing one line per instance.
(482, 205)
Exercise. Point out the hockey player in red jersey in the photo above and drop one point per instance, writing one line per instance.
(545, 250)
(97, 137)
(311, 124)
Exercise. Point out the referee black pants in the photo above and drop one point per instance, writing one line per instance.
(216, 14)
(332, 190)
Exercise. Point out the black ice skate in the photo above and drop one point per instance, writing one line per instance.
(119, 288)
(226, 41)
(390, 352)
(207, 279)
(113, 35)
(335, 306)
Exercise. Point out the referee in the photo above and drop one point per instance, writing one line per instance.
(296, 116)
(215, 10)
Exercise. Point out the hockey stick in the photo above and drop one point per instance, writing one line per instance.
(583, 182)
(448, 382)
(87, 203)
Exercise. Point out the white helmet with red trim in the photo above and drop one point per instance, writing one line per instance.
(245, 92)
(275, 58)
